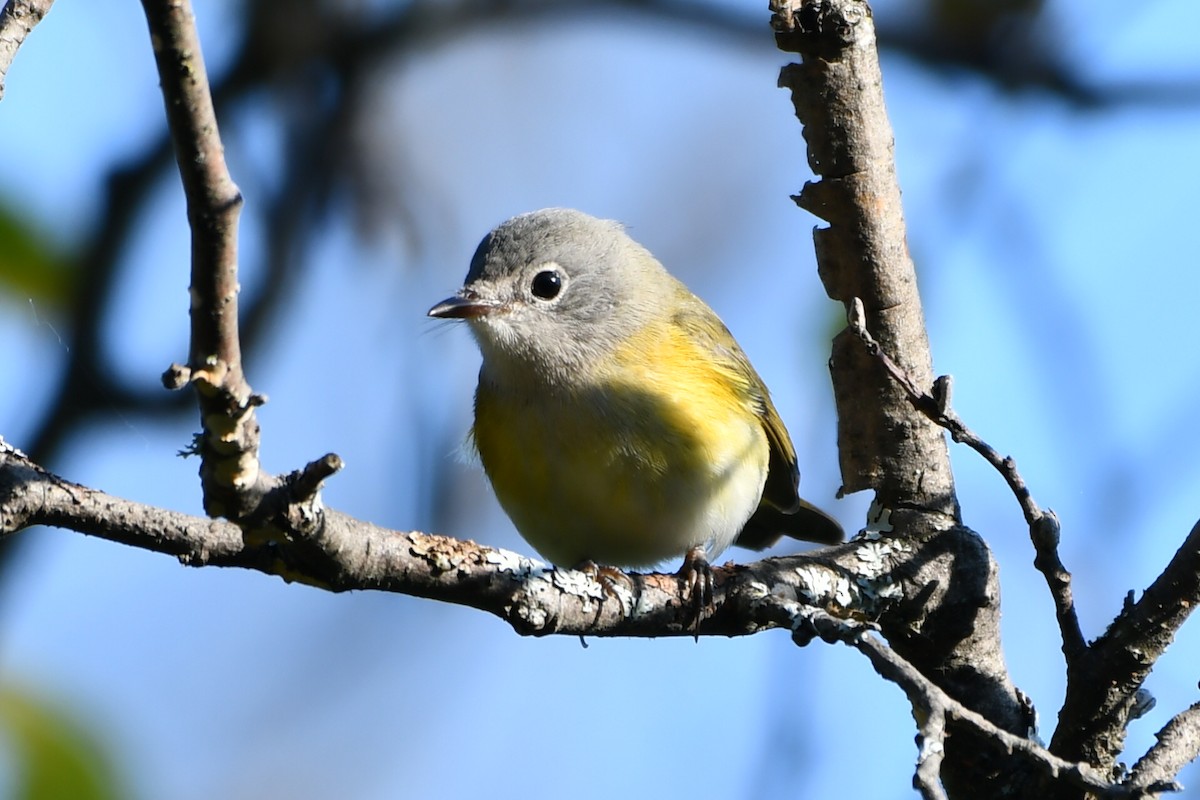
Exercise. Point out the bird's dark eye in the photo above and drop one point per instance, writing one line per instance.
(547, 284)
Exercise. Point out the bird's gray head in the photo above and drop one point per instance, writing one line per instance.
(551, 292)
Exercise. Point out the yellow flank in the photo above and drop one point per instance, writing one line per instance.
(658, 449)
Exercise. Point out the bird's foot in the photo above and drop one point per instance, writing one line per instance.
(696, 575)
(614, 583)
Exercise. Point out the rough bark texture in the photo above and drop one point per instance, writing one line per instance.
(1103, 681)
(230, 476)
(17, 19)
(345, 554)
(948, 622)
(837, 92)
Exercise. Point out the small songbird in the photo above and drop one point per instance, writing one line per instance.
(616, 417)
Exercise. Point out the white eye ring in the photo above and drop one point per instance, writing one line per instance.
(548, 282)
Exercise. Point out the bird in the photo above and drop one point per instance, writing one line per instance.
(616, 417)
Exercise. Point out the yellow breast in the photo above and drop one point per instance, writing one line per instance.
(660, 449)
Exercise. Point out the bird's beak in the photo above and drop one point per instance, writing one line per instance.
(464, 305)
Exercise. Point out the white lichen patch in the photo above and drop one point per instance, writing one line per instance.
(878, 591)
(930, 748)
(820, 586)
(578, 583)
(879, 522)
(518, 565)
(876, 556)
(888, 590)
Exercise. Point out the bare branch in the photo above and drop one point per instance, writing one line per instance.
(931, 702)
(342, 554)
(1043, 526)
(1104, 678)
(1178, 745)
(1149, 625)
(837, 92)
(284, 530)
(229, 471)
(931, 744)
(800, 593)
(17, 19)
(1102, 688)
(883, 442)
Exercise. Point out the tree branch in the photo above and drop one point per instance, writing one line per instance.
(809, 594)
(837, 92)
(1102, 687)
(17, 19)
(1104, 678)
(283, 529)
(230, 473)
(932, 703)
(949, 628)
(1178, 745)
(1044, 529)
(343, 554)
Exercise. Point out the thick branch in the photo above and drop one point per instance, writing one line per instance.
(345, 554)
(17, 19)
(801, 593)
(950, 630)
(837, 92)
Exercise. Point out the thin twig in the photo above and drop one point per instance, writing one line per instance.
(16, 21)
(1102, 679)
(1044, 529)
(1103, 690)
(935, 705)
(1178, 745)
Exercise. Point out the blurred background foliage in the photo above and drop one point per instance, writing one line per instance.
(1047, 153)
(49, 754)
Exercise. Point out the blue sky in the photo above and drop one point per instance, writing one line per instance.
(1056, 250)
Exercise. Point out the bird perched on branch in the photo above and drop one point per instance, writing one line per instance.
(617, 418)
